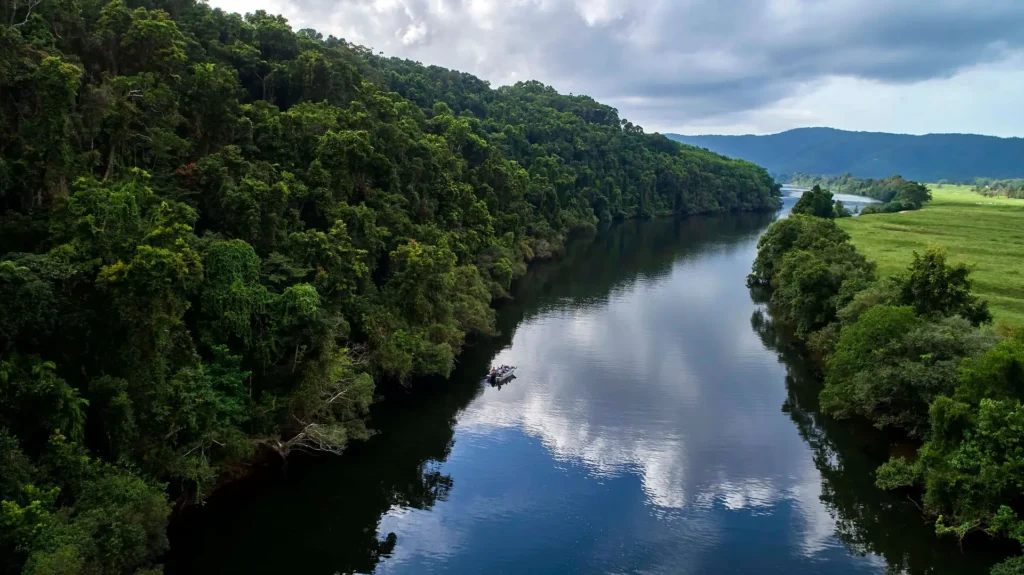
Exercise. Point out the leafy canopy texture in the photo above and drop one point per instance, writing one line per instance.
(816, 202)
(219, 235)
(910, 353)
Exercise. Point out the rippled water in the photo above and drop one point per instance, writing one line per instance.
(658, 423)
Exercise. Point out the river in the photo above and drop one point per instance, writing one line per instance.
(658, 423)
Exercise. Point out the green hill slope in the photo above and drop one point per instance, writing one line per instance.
(828, 151)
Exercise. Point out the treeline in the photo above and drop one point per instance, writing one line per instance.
(820, 203)
(881, 189)
(999, 188)
(911, 196)
(218, 233)
(894, 193)
(886, 190)
(926, 158)
(910, 353)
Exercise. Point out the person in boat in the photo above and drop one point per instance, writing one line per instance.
(499, 371)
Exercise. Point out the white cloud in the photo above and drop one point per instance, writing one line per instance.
(742, 66)
(977, 100)
(649, 393)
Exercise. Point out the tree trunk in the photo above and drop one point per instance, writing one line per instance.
(110, 162)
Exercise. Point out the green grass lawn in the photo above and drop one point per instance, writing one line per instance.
(985, 233)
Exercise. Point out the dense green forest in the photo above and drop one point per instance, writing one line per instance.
(219, 235)
(910, 353)
(927, 158)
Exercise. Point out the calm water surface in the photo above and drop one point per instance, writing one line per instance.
(658, 424)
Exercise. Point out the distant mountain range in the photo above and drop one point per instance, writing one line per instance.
(827, 151)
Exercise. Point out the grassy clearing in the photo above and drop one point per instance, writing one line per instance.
(985, 233)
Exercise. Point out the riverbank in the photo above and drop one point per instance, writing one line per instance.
(909, 353)
(982, 232)
(651, 387)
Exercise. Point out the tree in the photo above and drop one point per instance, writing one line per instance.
(797, 232)
(934, 288)
(889, 365)
(50, 129)
(913, 195)
(815, 202)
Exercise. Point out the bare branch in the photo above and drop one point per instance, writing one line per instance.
(316, 424)
(31, 4)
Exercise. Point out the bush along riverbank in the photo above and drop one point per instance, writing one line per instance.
(912, 352)
(219, 235)
(895, 193)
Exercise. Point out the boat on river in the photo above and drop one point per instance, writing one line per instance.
(501, 373)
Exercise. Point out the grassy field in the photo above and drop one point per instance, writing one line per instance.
(985, 233)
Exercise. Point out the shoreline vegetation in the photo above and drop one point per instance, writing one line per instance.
(985, 233)
(881, 189)
(221, 236)
(910, 349)
(895, 193)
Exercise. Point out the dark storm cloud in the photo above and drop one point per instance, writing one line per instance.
(679, 60)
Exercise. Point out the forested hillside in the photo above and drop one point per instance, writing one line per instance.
(826, 151)
(218, 234)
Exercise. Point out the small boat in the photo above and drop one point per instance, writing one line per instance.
(501, 374)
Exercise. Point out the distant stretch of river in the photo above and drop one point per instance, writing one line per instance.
(792, 193)
(659, 423)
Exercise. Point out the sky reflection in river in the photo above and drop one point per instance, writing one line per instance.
(660, 423)
(643, 433)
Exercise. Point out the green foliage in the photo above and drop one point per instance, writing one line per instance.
(908, 353)
(115, 520)
(790, 234)
(897, 473)
(934, 288)
(909, 196)
(117, 523)
(999, 373)
(232, 298)
(912, 196)
(895, 193)
(970, 467)
(881, 189)
(1011, 188)
(35, 401)
(841, 211)
(812, 269)
(1012, 566)
(974, 230)
(815, 202)
(217, 232)
(890, 364)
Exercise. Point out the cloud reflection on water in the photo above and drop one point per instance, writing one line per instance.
(663, 380)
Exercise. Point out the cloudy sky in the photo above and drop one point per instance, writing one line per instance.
(718, 66)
